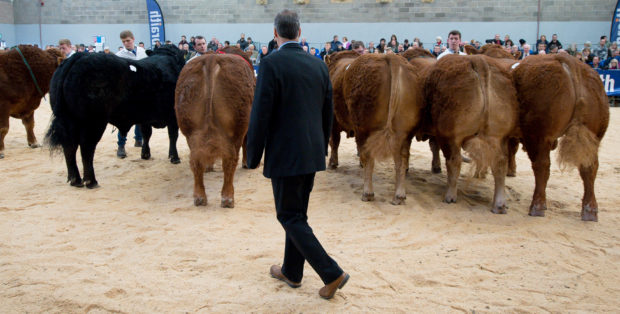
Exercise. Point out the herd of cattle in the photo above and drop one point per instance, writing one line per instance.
(484, 103)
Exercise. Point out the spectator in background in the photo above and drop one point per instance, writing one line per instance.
(264, 51)
(596, 62)
(555, 41)
(212, 46)
(250, 42)
(406, 44)
(242, 42)
(371, 47)
(414, 45)
(542, 40)
(515, 50)
(200, 48)
(65, 46)
(226, 44)
(553, 49)
(579, 56)
(508, 43)
(436, 51)
(345, 43)
(526, 51)
(381, 46)
(327, 50)
(141, 44)
(613, 64)
(477, 44)
(401, 48)
(81, 48)
(129, 51)
(183, 40)
(393, 43)
(507, 38)
(572, 49)
(417, 40)
(253, 53)
(540, 49)
(192, 43)
(454, 41)
(438, 41)
(303, 43)
(334, 44)
(358, 46)
(106, 50)
(273, 44)
(496, 40)
(157, 44)
(601, 50)
(586, 55)
(612, 48)
(314, 52)
(186, 52)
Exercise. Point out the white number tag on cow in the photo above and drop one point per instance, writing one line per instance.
(133, 68)
(514, 66)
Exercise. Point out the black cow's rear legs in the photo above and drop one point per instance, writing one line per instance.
(88, 153)
(173, 135)
(73, 173)
(147, 131)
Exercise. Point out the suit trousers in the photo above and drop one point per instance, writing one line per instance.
(291, 196)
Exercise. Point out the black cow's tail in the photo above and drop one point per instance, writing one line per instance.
(61, 129)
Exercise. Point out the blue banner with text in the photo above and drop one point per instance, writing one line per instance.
(156, 22)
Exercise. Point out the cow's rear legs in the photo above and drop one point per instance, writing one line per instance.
(538, 151)
(334, 142)
(198, 165)
(4, 129)
(147, 131)
(513, 147)
(368, 164)
(589, 206)
(87, 150)
(499, 168)
(436, 163)
(173, 135)
(229, 164)
(452, 153)
(401, 162)
(73, 173)
(28, 123)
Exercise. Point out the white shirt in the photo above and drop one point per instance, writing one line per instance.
(140, 53)
(449, 52)
(198, 54)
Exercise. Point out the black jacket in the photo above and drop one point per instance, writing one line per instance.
(292, 114)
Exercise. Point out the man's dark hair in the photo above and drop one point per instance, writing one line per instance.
(522, 41)
(287, 24)
(603, 37)
(454, 32)
(199, 37)
(552, 46)
(356, 44)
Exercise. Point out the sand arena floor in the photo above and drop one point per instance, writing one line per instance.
(138, 245)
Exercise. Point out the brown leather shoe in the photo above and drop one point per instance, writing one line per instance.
(276, 272)
(328, 291)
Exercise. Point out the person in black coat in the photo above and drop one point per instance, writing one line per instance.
(291, 121)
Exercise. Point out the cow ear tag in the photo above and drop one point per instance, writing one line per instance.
(133, 68)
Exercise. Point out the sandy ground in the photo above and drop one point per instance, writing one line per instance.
(138, 245)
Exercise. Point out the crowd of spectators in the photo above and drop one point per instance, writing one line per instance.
(603, 55)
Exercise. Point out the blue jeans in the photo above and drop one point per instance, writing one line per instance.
(137, 136)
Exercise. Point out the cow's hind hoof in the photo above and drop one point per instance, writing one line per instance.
(91, 184)
(398, 200)
(499, 209)
(333, 166)
(436, 169)
(145, 156)
(227, 203)
(511, 173)
(200, 201)
(34, 145)
(449, 199)
(368, 197)
(175, 160)
(589, 214)
(1, 155)
(76, 182)
(244, 166)
(537, 210)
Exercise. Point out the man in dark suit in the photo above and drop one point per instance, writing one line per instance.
(291, 121)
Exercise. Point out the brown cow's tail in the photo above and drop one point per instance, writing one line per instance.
(476, 147)
(579, 146)
(195, 95)
(381, 143)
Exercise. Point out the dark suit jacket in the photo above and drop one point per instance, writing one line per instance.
(292, 114)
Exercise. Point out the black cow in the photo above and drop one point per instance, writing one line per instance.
(88, 91)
